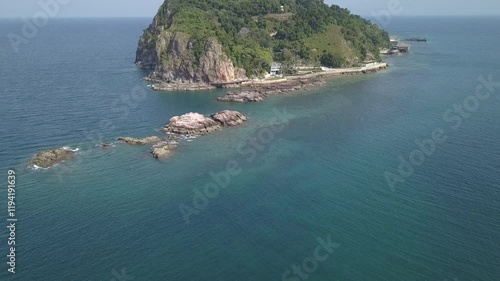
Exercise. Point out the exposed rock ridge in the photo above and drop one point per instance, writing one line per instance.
(198, 124)
(184, 127)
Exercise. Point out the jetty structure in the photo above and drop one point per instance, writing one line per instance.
(396, 47)
(403, 48)
(415, 39)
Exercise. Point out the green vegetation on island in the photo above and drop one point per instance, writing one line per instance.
(254, 33)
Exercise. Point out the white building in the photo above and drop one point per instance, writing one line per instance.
(275, 69)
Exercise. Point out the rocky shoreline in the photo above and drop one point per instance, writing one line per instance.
(263, 91)
(162, 86)
(179, 128)
(258, 90)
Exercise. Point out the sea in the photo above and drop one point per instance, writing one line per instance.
(392, 176)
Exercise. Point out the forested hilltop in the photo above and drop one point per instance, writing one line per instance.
(251, 35)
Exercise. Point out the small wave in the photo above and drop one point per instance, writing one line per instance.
(35, 167)
(67, 148)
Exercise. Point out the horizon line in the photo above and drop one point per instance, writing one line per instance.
(143, 17)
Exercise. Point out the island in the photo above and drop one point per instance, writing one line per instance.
(205, 44)
(268, 47)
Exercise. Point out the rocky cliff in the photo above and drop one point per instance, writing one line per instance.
(172, 57)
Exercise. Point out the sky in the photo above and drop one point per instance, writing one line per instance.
(148, 8)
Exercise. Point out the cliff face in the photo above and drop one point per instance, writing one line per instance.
(173, 59)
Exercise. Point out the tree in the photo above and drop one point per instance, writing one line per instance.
(328, 60)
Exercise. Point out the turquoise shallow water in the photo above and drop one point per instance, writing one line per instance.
(321, 175)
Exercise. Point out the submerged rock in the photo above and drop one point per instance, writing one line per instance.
(192, 124)
(136, 141)
(229, 118)
(105, 145)
(49, 158)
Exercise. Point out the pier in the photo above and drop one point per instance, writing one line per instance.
(403, 48)
(396, 47)
(415, 39)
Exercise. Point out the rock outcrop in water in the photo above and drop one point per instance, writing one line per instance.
(179, 128)
(198, 124)
(243, 96)
(229, 118)
(192, 124)
(263, 91)
(49, 158)
(163, 150)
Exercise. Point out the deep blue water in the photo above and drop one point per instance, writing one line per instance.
(321, 175)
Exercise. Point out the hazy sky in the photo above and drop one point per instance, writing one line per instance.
(147, 8)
